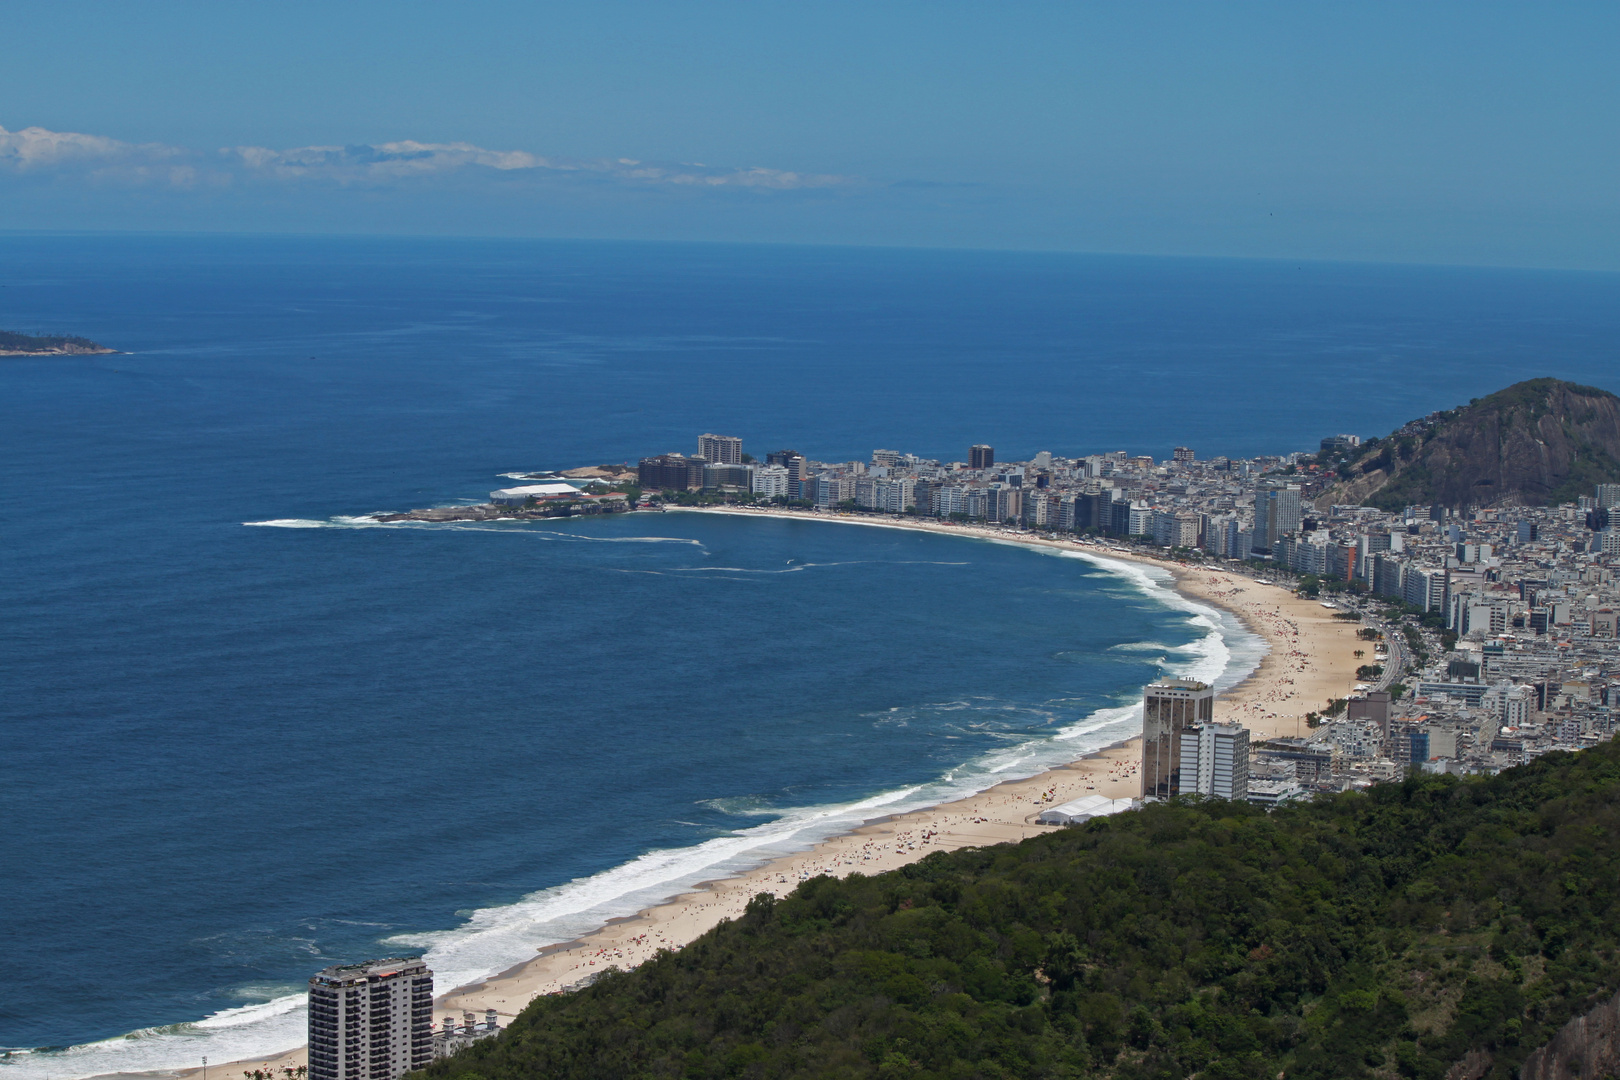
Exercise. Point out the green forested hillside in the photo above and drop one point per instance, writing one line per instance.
(1388, 933)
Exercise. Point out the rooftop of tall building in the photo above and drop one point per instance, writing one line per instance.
(371, 969)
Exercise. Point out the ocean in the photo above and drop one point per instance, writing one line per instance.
(249, 733)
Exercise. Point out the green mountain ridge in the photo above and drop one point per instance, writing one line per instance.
(1537, 443)
(1428, 929)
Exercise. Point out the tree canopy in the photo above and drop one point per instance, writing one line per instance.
(1380, 933)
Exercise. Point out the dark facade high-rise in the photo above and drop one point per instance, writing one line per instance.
(671, 472)
(1119, 517)
(1096, 513)
(1170, 708)
(981, 456)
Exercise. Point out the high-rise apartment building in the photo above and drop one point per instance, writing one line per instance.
(981, 456)
(1516, 706)
(1119, 517)
(1098, 512)
(1388, 577)
(797, 467)
(1183, 454)
(371, 1021)
(671, 471)
(1424, 587)
(828, 490)
(771, 481)
(1169, 709)
(1371, 707)
(722, 477)
(1003, 503)
(1215, 761)
(1262, 518)
(949, 500)
(895, 496)
(798, 477)
(1277, 511)
(720, 449)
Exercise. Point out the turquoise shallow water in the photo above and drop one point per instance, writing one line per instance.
(235, 753)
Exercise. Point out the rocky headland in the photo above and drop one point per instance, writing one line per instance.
(1539, 443)
(14, 344)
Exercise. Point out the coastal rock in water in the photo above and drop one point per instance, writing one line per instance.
(1538, 443)
(601, 472)
(482, 512)
(13, 344)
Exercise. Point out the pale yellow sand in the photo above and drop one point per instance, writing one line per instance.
(1311, 660)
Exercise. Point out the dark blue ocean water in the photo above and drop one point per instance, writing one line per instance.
(234, 753)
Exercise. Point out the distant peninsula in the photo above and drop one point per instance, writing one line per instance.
(14, 344)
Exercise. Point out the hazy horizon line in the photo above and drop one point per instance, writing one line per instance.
(1190, 256)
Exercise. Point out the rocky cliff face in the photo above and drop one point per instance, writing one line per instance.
(1538, 443)
(1586, 1048)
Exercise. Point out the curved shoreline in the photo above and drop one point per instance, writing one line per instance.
(1302, 667)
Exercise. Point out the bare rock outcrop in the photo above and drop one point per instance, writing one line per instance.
(1586, 1048)
(1537, 443)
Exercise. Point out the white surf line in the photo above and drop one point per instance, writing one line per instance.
(516, 527)
(1132, 570)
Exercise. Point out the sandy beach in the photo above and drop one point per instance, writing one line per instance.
(1310, 661)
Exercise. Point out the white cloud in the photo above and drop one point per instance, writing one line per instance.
(101, 159)
(40, 148)
(386, 162)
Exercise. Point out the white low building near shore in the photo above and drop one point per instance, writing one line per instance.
(1270, 793)
(517, 496)
(452, 1037)
(1083, 810)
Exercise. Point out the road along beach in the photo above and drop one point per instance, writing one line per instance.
(1309, 660)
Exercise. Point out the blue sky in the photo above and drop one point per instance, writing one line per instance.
(1456, 133)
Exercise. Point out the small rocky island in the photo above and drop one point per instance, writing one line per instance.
(14, 344)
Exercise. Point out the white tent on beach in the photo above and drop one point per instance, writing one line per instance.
(1083, 810)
